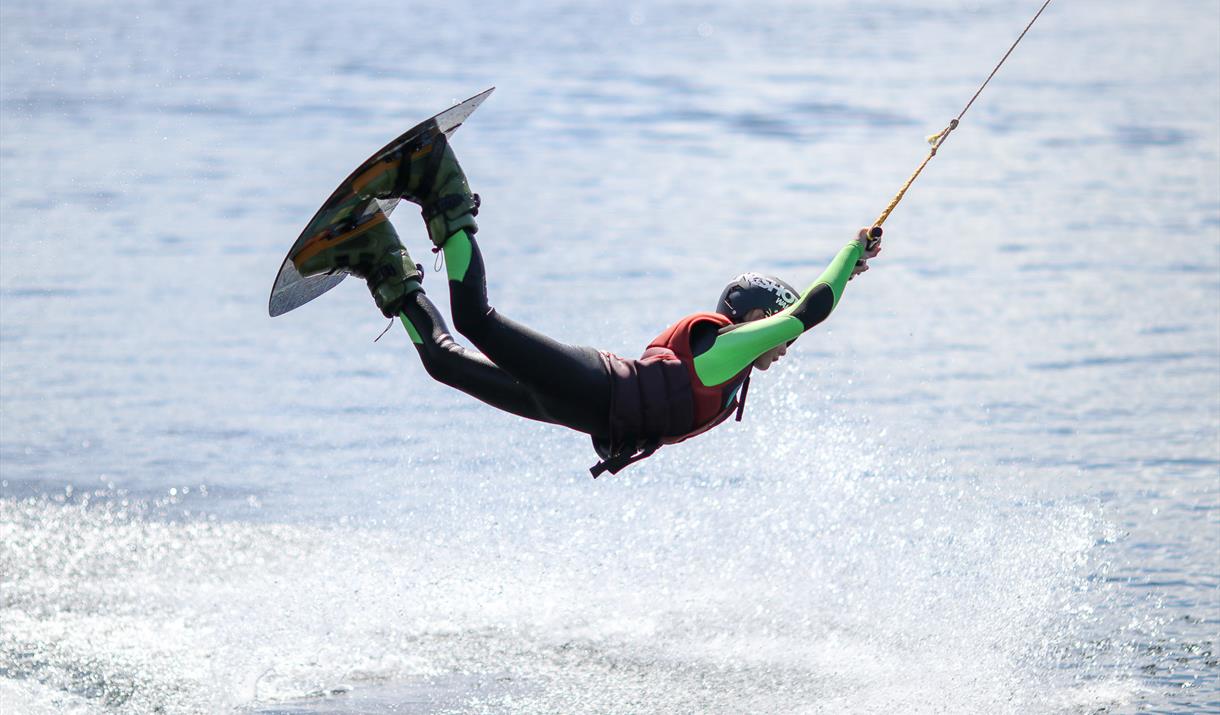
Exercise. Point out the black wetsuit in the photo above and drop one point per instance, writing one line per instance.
(520, 370)
(529, 374)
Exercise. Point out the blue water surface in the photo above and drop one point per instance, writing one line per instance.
(989, 483)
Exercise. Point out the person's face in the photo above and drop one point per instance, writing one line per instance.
(762, 362)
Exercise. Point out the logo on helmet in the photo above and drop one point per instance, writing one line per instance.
(784, 296)
(754, 291)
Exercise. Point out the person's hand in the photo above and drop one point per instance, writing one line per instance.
(869, 246)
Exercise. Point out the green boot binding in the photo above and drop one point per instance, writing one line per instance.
(431, 177)
(374, 254)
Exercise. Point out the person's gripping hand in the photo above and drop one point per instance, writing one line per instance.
(869, 246)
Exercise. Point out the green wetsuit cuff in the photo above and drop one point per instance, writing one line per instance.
(458, 251)
(411, 331)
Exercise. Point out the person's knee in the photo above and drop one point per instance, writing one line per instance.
(440, 364)
(446, 362)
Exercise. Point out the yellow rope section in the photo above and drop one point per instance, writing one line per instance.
(937, 139)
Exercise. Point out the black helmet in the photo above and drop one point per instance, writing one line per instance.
(754, 290)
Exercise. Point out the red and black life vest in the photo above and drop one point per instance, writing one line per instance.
(658, 399)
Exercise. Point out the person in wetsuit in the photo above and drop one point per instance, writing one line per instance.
(691, 378)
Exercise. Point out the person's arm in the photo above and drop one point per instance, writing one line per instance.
(739, 345)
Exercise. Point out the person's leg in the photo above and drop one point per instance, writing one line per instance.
(463, 369)
(376, 254)
(571, 381)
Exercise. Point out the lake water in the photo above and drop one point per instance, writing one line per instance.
(990, 483)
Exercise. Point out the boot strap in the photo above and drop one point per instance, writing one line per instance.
(445, 204)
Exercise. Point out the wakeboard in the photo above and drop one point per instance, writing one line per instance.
(356, 207)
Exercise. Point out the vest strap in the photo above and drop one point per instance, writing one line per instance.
(622, 460)
(741, 401)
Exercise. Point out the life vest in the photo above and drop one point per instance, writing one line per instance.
(658, 399)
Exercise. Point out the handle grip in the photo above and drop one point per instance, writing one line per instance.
(874, 237)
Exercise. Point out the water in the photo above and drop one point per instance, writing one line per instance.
(990, 483)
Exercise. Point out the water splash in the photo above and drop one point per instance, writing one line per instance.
(831, 576)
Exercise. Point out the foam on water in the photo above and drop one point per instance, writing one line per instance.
(840, 577)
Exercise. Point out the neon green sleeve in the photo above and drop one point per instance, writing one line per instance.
(742, 344)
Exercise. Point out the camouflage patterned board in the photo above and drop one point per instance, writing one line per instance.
(354, 207)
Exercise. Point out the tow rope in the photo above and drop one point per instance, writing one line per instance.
(939, 138)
